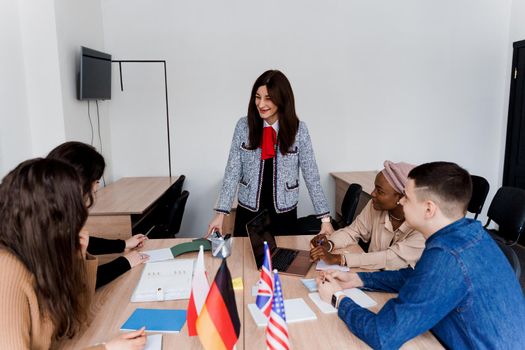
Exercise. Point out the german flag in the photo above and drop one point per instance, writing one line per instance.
(218, 324)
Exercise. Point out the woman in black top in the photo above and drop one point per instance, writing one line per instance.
(90, 166)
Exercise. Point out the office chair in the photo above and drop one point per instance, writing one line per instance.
(507, 209)
(311, 225)
(174, 221)
(170, 197)
(480, 189)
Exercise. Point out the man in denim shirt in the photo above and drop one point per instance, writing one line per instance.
(462, 289)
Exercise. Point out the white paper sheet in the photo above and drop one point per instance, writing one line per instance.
(357, 295)
(321, 265)
(360, 297)
(158, 254)
(324, 307)
(296, 311)
(153, 342)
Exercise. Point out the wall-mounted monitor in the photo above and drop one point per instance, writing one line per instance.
(94, 77)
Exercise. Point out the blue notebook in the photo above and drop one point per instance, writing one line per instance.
(156, 320)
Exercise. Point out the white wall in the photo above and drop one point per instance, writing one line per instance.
(32, 118)
(43, 86)
(410, 80)
(406, 80)
(517, 21)
(15, 136)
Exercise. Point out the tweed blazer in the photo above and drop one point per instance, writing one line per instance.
(244, 173)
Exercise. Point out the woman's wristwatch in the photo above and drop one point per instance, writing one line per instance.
(325, 219)
(336, 298)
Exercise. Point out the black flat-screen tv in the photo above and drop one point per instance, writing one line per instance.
(94, 76)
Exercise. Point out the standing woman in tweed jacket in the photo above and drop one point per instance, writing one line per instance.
(269, 147)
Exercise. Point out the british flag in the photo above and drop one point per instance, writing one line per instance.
(265, 292)
(277, 331)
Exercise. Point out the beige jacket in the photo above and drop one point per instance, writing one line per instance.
(389, 249)
(21, 326)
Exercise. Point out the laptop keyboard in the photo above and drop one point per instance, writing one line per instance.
(283, 258)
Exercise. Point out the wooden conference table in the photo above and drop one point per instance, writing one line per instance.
(121, 206)
(112, 306)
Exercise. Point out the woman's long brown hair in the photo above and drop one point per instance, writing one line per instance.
(41, 213)
(280, 91)
(86, 160)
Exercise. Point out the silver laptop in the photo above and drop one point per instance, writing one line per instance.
(287, 261)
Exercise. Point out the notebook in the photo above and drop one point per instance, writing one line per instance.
(156, 320)
(296, 311)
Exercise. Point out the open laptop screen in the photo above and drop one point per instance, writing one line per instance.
(259, 231)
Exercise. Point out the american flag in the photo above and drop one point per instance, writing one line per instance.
(265, 292)
(277, 331)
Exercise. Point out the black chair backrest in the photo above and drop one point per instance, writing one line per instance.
(350, 202)
(162, 213)
(176, 213)
(480, 189)
(176, 189)
(507, 209)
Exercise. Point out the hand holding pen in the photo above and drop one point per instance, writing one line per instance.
(320, 240)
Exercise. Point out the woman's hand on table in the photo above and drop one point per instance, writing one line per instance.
(321, 253)
(136, 258)
(128, 341)
(135, 241)
(320, 240)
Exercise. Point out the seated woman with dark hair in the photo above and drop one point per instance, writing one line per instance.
(393, 243)
(47, 279)
(90, 166)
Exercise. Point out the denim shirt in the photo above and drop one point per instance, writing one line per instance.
(463, 289)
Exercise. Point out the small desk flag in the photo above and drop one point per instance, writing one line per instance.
(199, 291)
(218, 323)
(265, 292)
(277, 331)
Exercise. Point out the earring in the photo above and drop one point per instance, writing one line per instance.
(398, 203)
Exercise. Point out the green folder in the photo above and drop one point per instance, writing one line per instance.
(192, 246)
